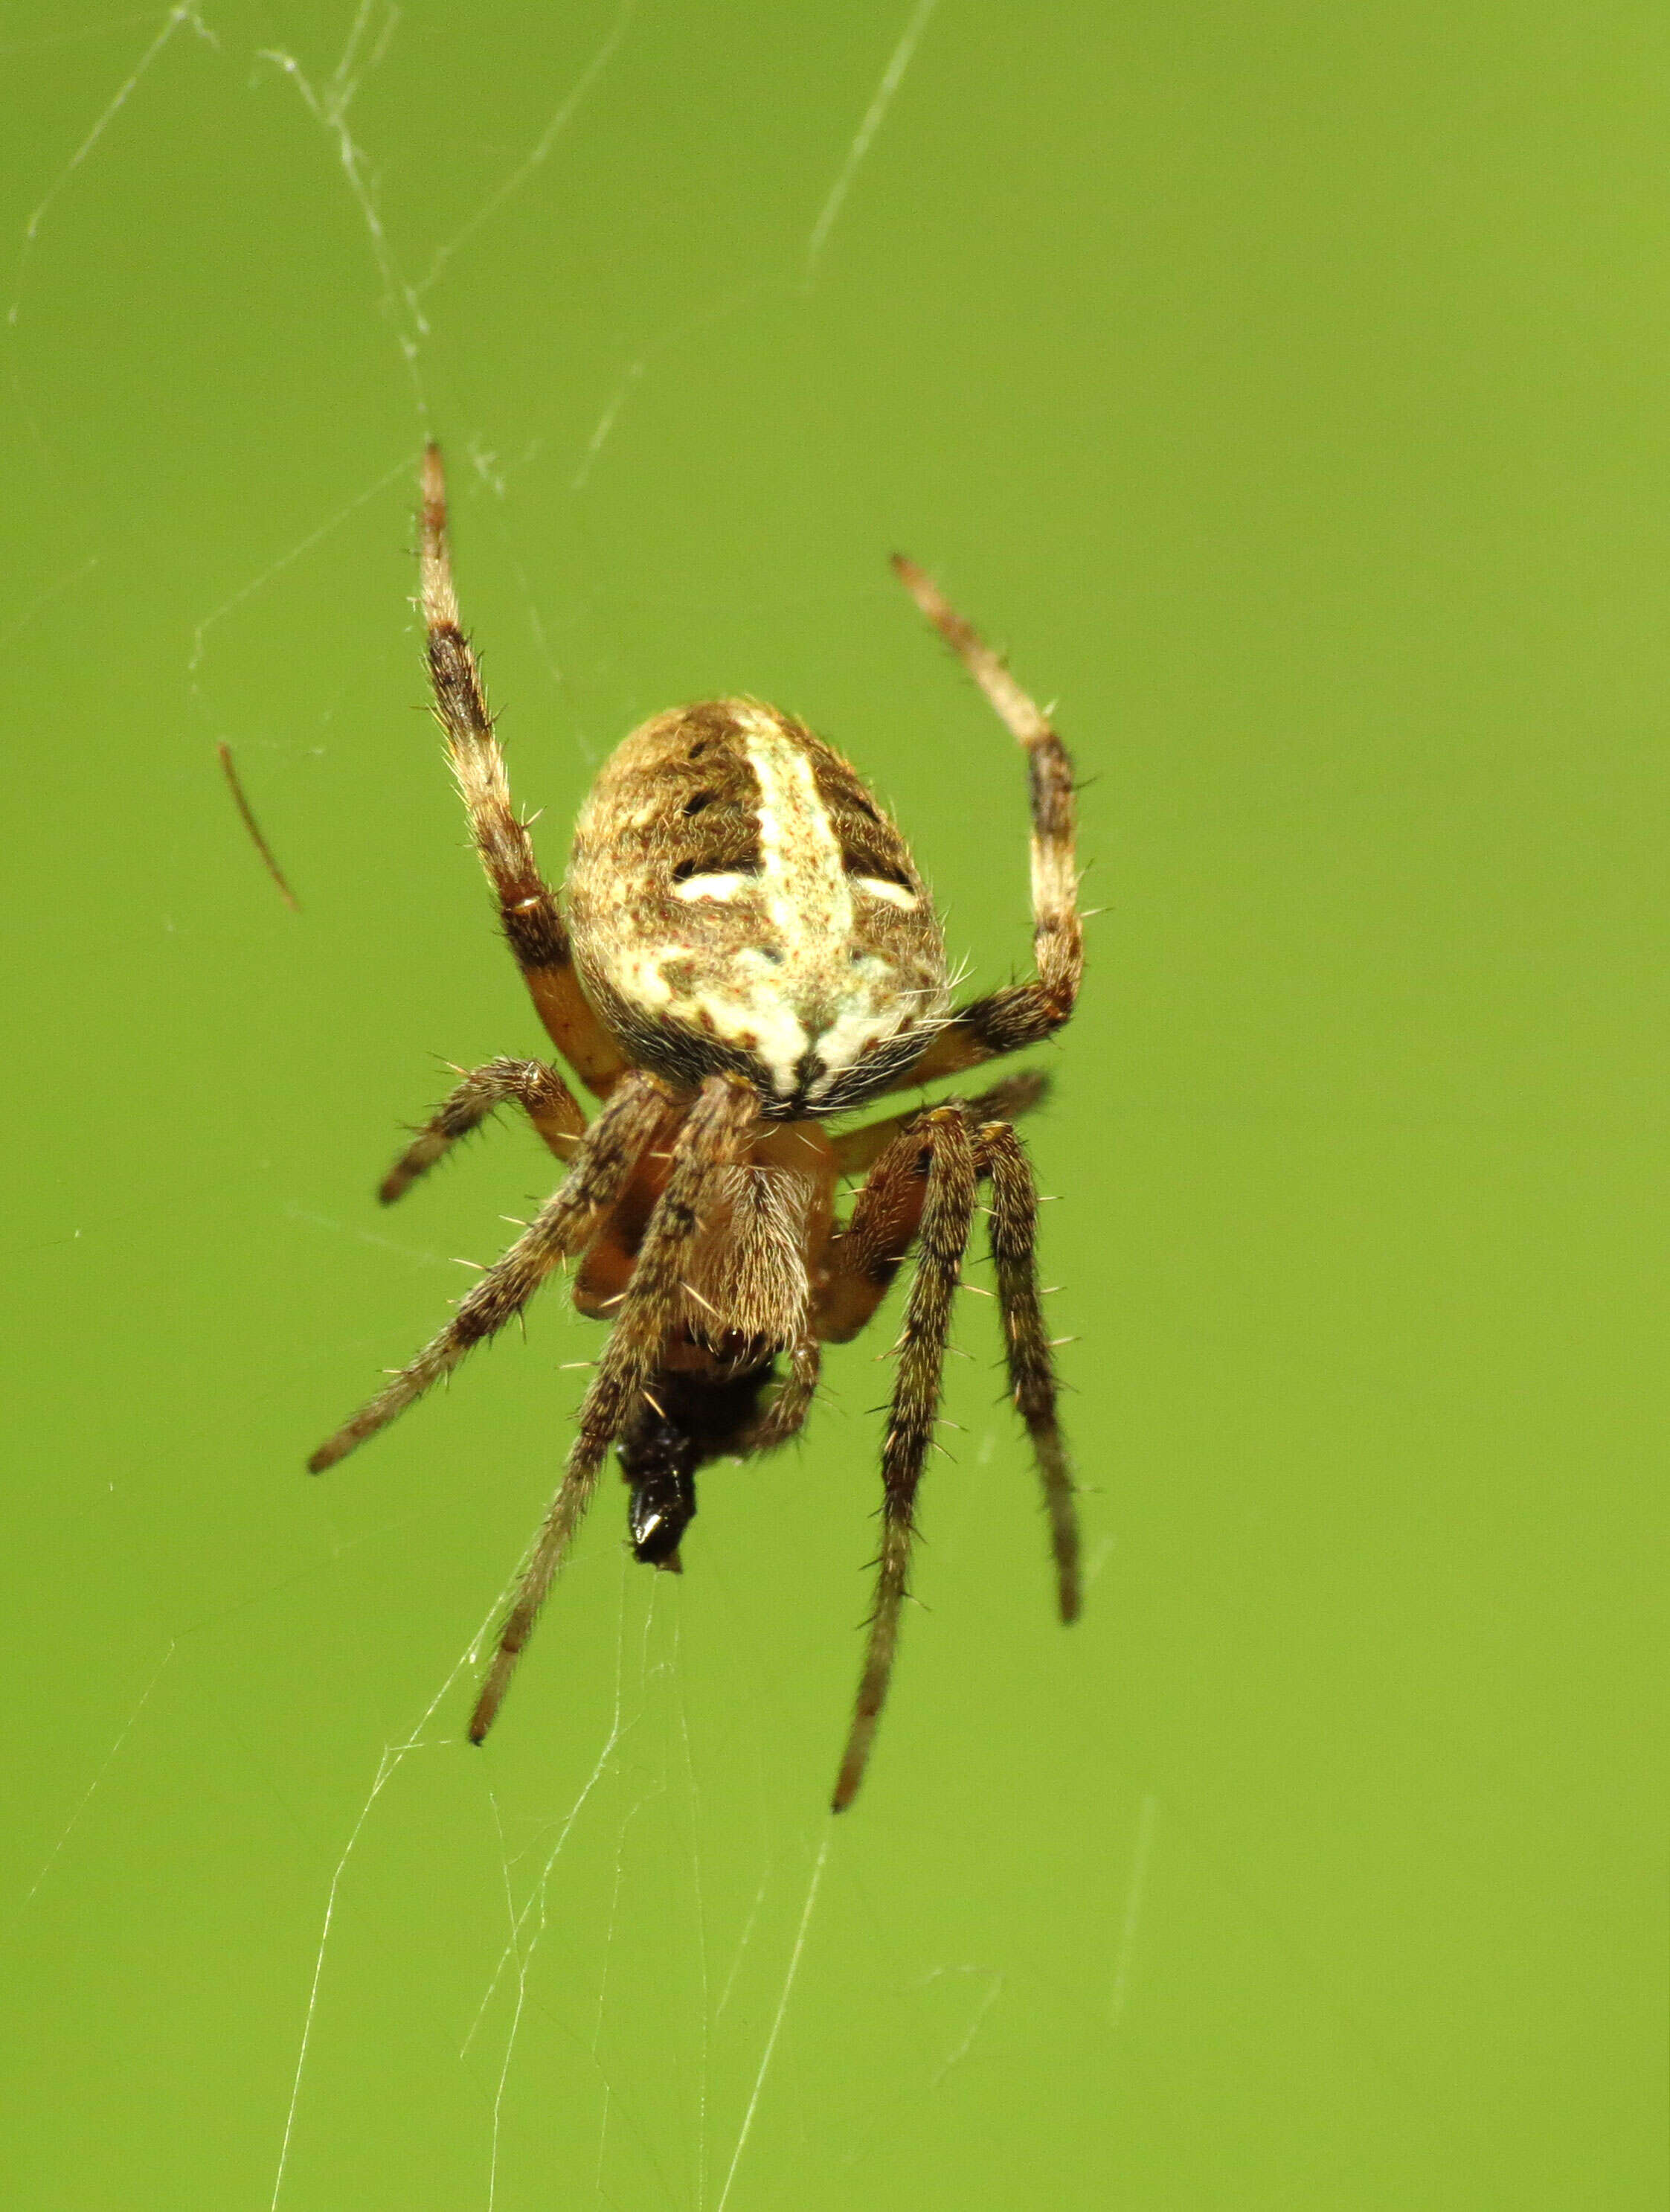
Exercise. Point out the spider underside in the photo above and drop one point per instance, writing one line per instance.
(747, 952)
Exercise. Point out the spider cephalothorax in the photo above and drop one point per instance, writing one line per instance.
(747, 951)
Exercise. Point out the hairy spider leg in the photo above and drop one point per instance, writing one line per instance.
(549, 1104)
(1012, 1229)
(715, 1135)
(527, 905)
(604, 1159)
(856, 1149)
(865, 1257)
(947, 1211)
(786, 1412)
(1024, 1013)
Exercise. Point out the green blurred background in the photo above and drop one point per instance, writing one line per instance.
(1286, 388)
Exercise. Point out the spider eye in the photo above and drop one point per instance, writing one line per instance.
(702, 799)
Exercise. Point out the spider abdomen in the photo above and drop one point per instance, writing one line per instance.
(739, 901)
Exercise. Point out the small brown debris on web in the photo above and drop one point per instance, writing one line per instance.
(254, 828)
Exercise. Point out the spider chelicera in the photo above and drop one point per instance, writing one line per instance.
(746, 950)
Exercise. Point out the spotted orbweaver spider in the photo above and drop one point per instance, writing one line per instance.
(748, 951)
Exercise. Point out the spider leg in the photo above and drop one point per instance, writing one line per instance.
(605, 1157)
(1003, 1021)
(715, 1135)
(863, 1258)
(946, 1213)
(785, 1414)
(1014, 1216)
(550, 1106)
(857, 1149)
(527, 905)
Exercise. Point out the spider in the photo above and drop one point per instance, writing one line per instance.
(746, 950)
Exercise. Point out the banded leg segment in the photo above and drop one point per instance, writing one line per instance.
(1025, 1014)
(716, 1135)
(946, 1214)
(606, 1156)
(1012, 1226)
(527, 905)
(547, 1100)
